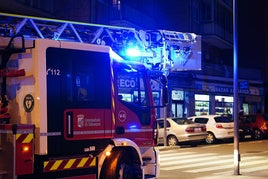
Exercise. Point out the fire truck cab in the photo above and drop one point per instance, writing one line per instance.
(91, 113)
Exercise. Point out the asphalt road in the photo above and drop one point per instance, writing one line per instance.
(215, 161)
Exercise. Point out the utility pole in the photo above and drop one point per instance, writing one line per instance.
(235, 88)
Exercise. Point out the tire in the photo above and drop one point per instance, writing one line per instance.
(210, 139)
(120, 165)
(172, 141)
(257, 134)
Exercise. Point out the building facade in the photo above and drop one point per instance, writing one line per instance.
(208, 91)
(197, 93)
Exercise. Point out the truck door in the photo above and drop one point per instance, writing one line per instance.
(78, 99)
(135, 114)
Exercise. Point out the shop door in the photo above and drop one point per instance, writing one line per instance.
(177, 109)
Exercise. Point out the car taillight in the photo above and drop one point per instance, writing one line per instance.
(203, 129)
(219, 126)
(189, 129)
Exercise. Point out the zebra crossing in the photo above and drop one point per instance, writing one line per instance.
(195, 162)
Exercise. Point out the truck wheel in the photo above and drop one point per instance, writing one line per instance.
(120, 166)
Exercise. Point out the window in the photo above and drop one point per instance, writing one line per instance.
(196, 10)
(265, 117)
(79, 78)
(182, 121)
(201, 120)
(201, 104)
(161, 124)
(207, 10)
(131, 88)
(223, 119)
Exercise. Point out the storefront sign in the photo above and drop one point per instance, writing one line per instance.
(228, 89)
(243, 85)
(177, 95)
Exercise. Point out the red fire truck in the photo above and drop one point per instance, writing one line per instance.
(73, 109)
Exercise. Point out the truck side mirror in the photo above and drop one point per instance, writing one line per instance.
(165, 95)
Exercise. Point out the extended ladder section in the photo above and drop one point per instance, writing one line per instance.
(158, 50)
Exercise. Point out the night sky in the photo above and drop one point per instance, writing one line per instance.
(251, 32)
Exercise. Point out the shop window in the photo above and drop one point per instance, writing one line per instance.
(224, 105)
(177, 103)
(201, 104)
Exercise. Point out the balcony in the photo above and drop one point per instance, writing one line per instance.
(217, 36)
(130, 17)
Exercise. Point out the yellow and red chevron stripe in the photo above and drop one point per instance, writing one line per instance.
(113, 95)
(67, 164)
(24, 138)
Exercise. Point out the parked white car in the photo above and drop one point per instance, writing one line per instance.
(218, 126)
(181, 131)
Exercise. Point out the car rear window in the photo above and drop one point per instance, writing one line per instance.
(247, 119)
(223, 119)
(201, 120)
(182, 121)
(265, 117)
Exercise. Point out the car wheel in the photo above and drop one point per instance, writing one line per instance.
(172, 140)
(210, 139)
(257, 134)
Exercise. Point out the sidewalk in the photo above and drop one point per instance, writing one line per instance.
(250, 175)
(228, 175)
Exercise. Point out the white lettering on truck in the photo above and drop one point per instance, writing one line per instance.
(129, 83)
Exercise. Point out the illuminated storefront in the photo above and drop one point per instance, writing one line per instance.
(201, 104)
(195, 97)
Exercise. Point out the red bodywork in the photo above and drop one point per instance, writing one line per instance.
(22, 146)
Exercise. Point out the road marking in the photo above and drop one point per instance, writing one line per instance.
(192, 161)
(226, 166)
(192, 164)
(198, 156)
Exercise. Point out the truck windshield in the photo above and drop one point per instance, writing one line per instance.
(132, 88)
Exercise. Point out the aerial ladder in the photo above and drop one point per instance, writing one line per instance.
(158, 50)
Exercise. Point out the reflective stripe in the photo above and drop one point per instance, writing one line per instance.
(6, 131)
(96, 132)
(111, 131)
(92, 132)
(138, 130)
(24, 138)
(20, 131)
(82, 162)
(66, 164)
(56, 165)
(113, 94)
(69, 164)
(50, 134)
